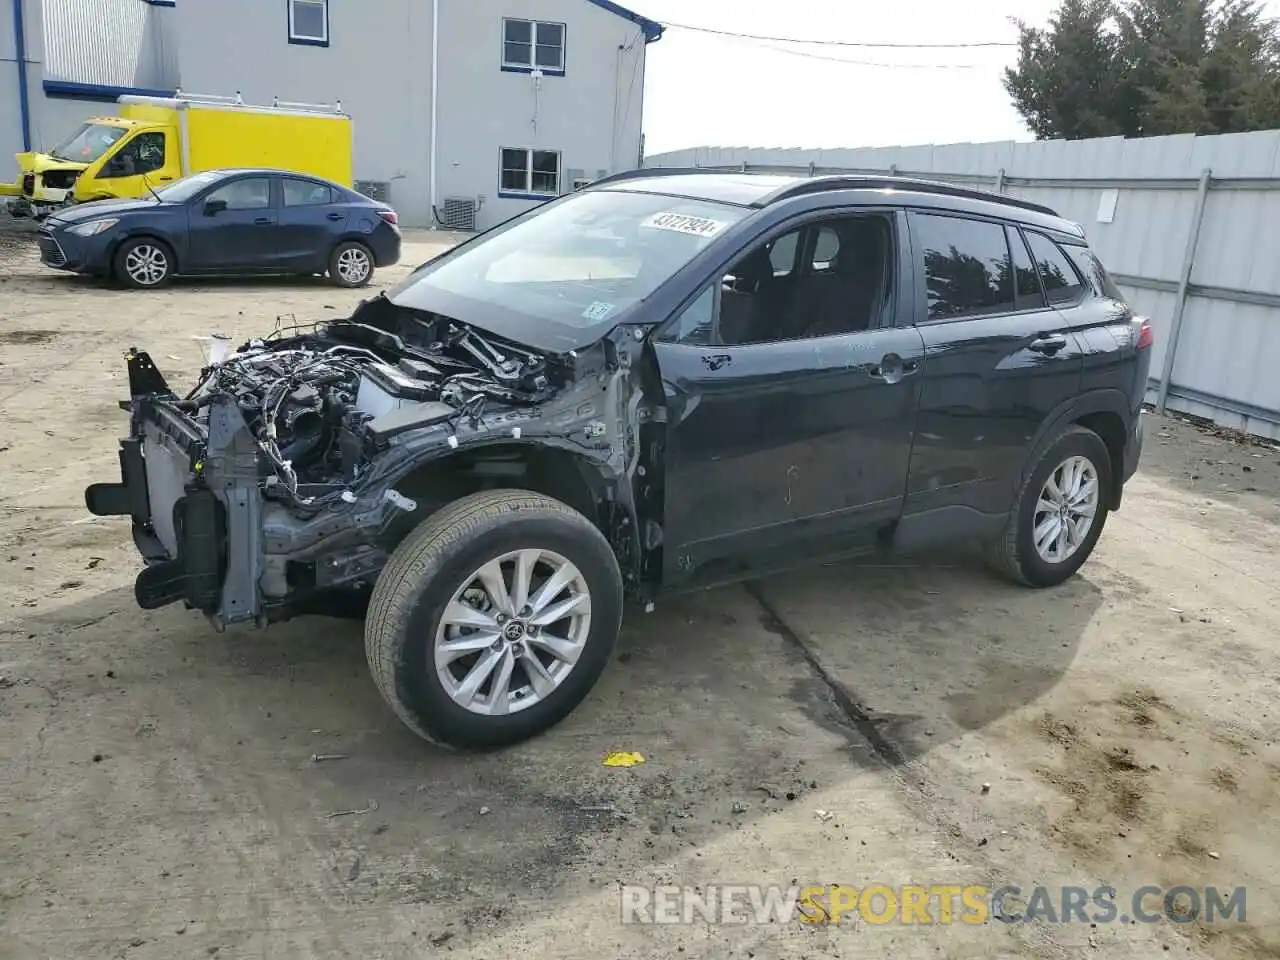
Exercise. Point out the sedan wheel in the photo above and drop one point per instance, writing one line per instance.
(351, 265)
(144, 263)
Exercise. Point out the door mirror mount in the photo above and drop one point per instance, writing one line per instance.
(214, 207)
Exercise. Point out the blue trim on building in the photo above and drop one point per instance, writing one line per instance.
(652, 29)
(513, 195)
(98, 91)
(20, 55)
(161, 3)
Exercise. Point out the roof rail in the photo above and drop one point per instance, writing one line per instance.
(838, 181)
(210, 100)
(817, 184)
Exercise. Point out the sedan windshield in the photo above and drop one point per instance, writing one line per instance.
(88, 143)
(182, 190)
(578, 262)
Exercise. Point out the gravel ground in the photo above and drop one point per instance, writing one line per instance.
(158, 798)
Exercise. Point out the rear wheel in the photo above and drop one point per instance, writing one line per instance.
(144, 263)
(1059, 514)
(351, 264)
(494, 619)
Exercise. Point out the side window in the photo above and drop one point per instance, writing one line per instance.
(695, 324)
(143, 154)
(1061, 282)
(766, 296)
(305, 193)
(1026, 283)
(1092, 268)
(966, 266)
(253, 193)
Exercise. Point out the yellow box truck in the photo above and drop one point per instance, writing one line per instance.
(154, 140)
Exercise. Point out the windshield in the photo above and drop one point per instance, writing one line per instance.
(577, 262)
(88, 143)
(187, 187)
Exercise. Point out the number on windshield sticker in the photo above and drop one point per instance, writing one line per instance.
(680, 223)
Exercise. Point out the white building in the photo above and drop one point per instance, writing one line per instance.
(465, 106)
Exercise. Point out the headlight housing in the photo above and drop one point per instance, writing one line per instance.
(93, 227)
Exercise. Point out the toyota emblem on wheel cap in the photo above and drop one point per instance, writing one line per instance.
(513, 631)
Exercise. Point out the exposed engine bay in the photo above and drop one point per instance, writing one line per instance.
(315, 402)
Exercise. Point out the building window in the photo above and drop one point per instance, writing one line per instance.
(309, 22)
(529, 173)
(529, 45)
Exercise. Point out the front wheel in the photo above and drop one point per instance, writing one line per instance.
(144, 263)
(494, 619)
(1059, 513)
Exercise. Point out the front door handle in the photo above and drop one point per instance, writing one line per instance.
(336, 216)
(263, 221)
(893, 368)
(1048, 344)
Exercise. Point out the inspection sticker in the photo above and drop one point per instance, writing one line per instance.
(598, 310)
(680, 223)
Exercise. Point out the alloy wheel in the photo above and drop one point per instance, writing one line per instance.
(354, 266)
(146, 264)
(513, 632)
(1066, 509)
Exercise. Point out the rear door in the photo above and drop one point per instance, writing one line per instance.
(233, 227)
(791, 397)
(999, 360)
(309, 217)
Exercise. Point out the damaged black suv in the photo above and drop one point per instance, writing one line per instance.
(667, 380)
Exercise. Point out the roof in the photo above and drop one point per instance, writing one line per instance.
(761, 190)
(652, 29)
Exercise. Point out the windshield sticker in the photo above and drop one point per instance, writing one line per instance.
(680, 223)
(598, 310)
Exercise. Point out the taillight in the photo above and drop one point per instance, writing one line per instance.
(1146, 336)
(389, 216)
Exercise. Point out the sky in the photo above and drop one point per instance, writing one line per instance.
(703, 90)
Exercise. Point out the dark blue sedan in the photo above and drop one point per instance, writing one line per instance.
(220, 222)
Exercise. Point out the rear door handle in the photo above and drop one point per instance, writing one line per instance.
(263, 221)
(893, 368)
(337, 216)
(1050, 344)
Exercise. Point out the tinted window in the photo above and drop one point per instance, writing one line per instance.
(966, 265)
(1061, 282)
(253, 193)
(825, 248)
(1092, 268)
(1025, 282)
(305, 193)
(782, 253)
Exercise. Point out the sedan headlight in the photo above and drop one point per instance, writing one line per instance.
(93, 227)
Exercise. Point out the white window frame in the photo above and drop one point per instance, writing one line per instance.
(295, 36)
(527, 190)
(534, 27)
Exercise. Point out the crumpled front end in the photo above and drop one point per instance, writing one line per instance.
(295, 467)
(44, 183)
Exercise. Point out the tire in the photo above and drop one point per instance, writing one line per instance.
(351, 264)
(144, 263)
(1014, 554)
(428, 575)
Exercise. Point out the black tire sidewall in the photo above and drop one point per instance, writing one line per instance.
(1076, 443)
(336, 277)
(419, 688)
(122, 251)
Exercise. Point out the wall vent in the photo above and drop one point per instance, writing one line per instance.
(458, 213)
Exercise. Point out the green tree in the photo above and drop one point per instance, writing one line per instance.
(1148, 67)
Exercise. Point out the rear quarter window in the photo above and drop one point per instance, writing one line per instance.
(1093, 269)
(1062, 281)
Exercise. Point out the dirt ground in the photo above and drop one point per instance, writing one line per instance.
(158, 797)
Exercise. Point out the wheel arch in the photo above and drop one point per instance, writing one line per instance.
(572, 478)
(144, 233)
(1103, 412)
